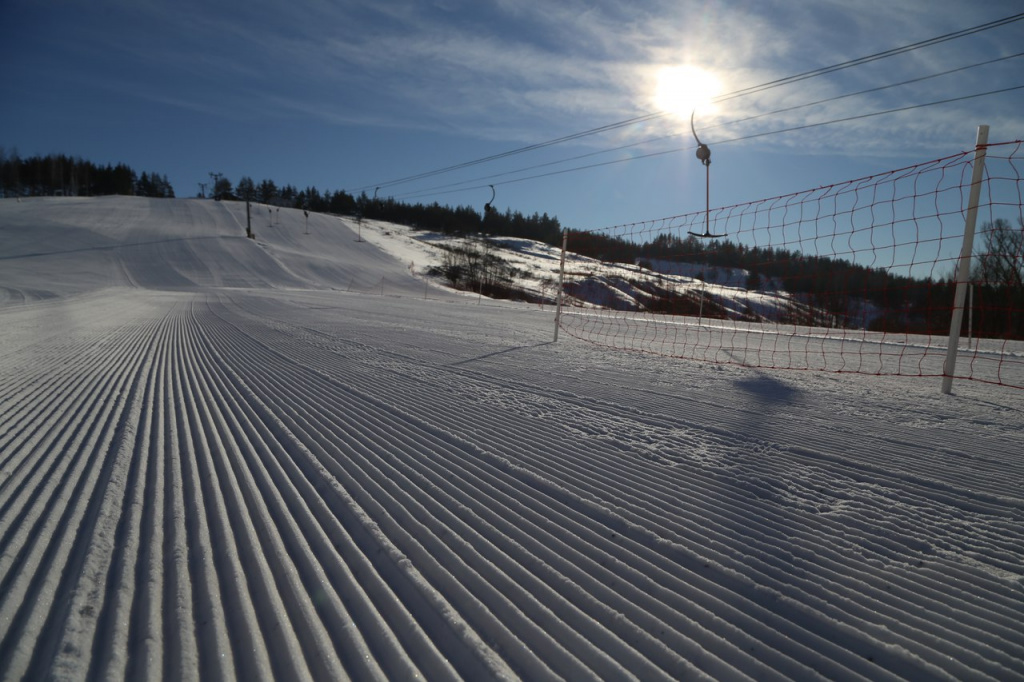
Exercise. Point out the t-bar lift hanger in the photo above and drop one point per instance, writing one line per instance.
(704, 156)
(489, 206)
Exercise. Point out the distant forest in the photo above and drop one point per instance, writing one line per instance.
(57, 174)
(433, 217)
(836, 292)
(839, 293)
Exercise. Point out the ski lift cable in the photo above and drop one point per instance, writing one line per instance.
(676, 150)
(874, 57)
(428, 191)
(520, 150)
(737, 93)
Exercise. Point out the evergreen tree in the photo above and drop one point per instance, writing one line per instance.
(144, 188)
(222, 188)
(123, 180)
(246, 189)
(267, 191)
(341, 202)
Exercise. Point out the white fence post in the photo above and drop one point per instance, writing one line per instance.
(970, 315)
(561, 282)
(964, 270)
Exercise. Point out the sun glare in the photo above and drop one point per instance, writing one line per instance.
(682, 89)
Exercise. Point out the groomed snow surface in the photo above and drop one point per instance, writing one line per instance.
(294, 458)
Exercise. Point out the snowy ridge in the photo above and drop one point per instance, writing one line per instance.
(589, 282)
(290, 478)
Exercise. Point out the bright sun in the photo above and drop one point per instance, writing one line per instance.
(681, 89)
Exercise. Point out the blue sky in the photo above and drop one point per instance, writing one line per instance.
(351, 95)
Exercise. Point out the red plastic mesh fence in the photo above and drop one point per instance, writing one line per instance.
(853, 277)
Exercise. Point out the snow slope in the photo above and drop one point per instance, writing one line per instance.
(227, 458)
(59, 247)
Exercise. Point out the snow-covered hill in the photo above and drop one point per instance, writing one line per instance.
(296, 457)
(534, 268)
(183, 243)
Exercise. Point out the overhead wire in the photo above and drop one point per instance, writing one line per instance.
(751, 136)
(868, 91)
(732, 95)
(431, 190)
(874, 57)
(512, 152)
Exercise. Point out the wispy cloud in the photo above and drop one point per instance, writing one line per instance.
(529, 69)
